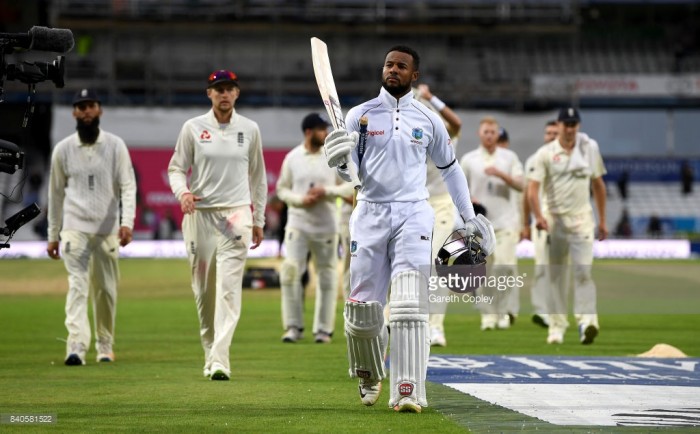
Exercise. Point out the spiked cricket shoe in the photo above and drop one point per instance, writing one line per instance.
(369, 391)
(407, 405)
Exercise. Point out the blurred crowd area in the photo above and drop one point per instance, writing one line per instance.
(482, 53)
(633, 67)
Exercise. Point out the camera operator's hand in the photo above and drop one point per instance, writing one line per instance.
(52, 250)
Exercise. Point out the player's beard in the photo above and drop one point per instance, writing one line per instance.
(316, 143)
(88, 131)
(397, 90)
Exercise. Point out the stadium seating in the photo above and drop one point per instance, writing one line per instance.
(678, 213)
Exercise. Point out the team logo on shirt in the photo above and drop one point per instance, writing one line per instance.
(353, 246)
(556, 158)
(205, 137)
(417, 136)
(240, 139)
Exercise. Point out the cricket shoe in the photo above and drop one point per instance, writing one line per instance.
(437, 338)
(555, 338)
(292, 335)
(76, 355)
(322, 338)
(218, 373)
(540, 320)
(489, 321)
(503, 322)
(587, 333)
(369, 391)
(407, 405)
(105, 353)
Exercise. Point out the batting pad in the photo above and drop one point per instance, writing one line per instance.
(410, 340)
(363, 327)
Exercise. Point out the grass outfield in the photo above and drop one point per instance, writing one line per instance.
(156, 384)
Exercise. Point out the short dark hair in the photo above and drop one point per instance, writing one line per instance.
(551, 123)
(407, 50)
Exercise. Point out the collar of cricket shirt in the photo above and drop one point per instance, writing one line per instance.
(386, 98)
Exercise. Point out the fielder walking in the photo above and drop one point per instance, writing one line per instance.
(92, 204)
(568, 168)
(391, 231)
(224, 151)
(310, 188)
(495, 175)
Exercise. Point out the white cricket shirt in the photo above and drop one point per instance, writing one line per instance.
(566, 191)
(491, 191)
(226, 161)
(300, 171)
(402, 134)
(86, 185)
(529, 168)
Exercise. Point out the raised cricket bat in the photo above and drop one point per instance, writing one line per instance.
(326, 86)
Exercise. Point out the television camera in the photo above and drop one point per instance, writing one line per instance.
(38, 39)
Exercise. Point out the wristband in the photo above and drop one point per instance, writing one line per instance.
(437, 103)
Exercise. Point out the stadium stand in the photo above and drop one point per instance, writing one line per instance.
(491, 47)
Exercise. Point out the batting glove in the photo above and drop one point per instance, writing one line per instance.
(481, 227)
(338, 145)
(344, 173)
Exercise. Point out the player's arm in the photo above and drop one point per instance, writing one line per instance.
(340, 189)
(57, 192)
(127, 184)
(442, 154)
(514, 179)
(525, 230)
(258, 186)
(452, 121)
(284, 186)
(514, 182)
(533, 188)
(179, 164)
(598, 187)
(464, 166)
(536, 176)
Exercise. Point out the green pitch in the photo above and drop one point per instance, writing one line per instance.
(156, 383)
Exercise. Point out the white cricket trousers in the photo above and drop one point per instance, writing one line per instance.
(324, 250)
(443, 208)
(92, 265)
(344, 231)
(217, 242)
(387, 238)
(540, 282)
(571, 246)
(503, 262)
